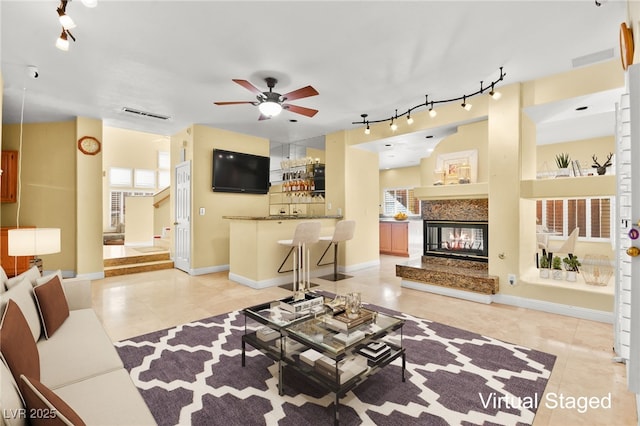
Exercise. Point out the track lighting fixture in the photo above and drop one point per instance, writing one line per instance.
(465, 105)
(67, 23)
(432, 112)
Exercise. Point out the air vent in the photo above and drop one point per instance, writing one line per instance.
(145, 114)
(592, 58)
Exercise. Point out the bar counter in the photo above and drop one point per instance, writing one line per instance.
(254, 252)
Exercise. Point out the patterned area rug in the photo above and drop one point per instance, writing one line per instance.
(192, 374)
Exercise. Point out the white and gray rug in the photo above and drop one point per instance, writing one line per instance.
(192, 374)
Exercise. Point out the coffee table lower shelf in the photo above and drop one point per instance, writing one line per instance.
(273, 349)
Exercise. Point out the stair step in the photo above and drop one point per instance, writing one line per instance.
(152, 257)
(132, 268)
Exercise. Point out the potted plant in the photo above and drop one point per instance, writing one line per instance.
(556, 265)
(544, 266)
(562, 161)
(571, 264)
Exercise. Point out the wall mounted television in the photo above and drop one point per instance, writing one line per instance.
(240, 172)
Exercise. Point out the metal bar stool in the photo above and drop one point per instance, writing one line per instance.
(343, 232)
(305, 234)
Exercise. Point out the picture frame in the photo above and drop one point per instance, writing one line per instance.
(451, 162)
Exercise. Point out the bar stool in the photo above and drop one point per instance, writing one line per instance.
(343, 232)
(305, 234)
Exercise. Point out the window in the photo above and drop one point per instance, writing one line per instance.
(119, 176)
(144, 178)
(400, 200)
(591, 215)
(164, 160)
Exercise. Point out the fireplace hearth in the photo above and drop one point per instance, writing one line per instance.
(467, 240)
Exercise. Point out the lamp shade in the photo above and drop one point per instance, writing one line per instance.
(270, 108)
(33, 241)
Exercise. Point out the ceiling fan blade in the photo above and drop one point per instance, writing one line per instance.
(263, 117)
(300, 110)
(250, 87)
(234, 103)
(303, 92)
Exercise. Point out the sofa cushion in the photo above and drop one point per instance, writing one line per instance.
(44, 407)
(32, 274)
(22, 294)
(108, 399)
(17, 346)
(52, 305)
(11, 404)
(80, 349)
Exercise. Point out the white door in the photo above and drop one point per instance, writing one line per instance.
(182, 225)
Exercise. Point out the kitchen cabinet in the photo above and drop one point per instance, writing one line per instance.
(394, 238)
(9, 178)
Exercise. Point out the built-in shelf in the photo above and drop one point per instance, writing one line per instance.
(569, 187)
(451, 192)
(532, 278)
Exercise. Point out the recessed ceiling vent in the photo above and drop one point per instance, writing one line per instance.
(592, 58)
(145, 114)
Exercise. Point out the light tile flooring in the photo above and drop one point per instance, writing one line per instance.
(135, 304)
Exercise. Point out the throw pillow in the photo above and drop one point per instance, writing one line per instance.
(32, 274)
(22, 294)
(45, 278)
(44, 406)
(3, 280)
(17, 346)
(52, 305)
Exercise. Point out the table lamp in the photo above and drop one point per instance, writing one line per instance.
(34, 242)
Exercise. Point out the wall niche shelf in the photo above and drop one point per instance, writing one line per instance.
(569, 187)
(453, 192)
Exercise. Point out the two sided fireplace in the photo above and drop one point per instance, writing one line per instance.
(466, 240)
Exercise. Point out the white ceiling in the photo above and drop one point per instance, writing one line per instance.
(175, 58)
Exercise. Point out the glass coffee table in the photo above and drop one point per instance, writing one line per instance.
(328, 347)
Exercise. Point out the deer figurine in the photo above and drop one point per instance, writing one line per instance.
(601, 169)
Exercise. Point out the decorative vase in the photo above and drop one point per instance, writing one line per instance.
(572, 276)
(544, 272)
(563, 172)
(557, 274)
(597, 269)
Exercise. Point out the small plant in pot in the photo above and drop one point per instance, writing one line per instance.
(562, 161)
(571, 264)
(544, 266)
(556, 265)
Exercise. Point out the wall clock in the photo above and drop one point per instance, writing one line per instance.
(89, 145)
(626, 46)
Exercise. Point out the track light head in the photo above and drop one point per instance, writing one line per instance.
(63, 43)
(367, 131)
(393, 126)
(409, 119)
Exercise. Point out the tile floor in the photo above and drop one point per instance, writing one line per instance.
(135, 304)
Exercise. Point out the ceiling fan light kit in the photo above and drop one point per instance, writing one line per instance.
(432, 112)
(271, 104)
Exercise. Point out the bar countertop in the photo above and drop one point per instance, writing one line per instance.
(281, 217)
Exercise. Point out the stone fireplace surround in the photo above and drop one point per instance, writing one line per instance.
(458, 274)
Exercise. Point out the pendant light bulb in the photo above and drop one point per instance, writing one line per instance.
(409, 119)
(66, 22)
(432, 112)
(63, 43)
(90, 3)
(393, 126)
(465, 105)
(367, 130)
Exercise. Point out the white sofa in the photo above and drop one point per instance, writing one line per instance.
(78, 361)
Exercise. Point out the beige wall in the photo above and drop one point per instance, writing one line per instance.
(48, 191)
(210, 233)
(128, 149)
(138, 229)
(580, 150)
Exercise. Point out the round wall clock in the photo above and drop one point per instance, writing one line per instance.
(89, 145)
(626, 46)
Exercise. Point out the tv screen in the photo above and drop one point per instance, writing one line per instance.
(240, 172)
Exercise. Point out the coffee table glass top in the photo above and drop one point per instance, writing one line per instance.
(272, 314)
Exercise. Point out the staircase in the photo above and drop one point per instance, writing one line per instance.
(154, 261)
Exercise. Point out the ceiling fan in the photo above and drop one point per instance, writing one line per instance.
(272, 103)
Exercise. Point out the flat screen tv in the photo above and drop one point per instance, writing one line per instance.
(240, 172)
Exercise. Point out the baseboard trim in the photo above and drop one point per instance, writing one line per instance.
(446, 291)
(555, 308)
(358, 266)
(208, 270)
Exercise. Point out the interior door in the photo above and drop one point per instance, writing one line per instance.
(182, 224)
